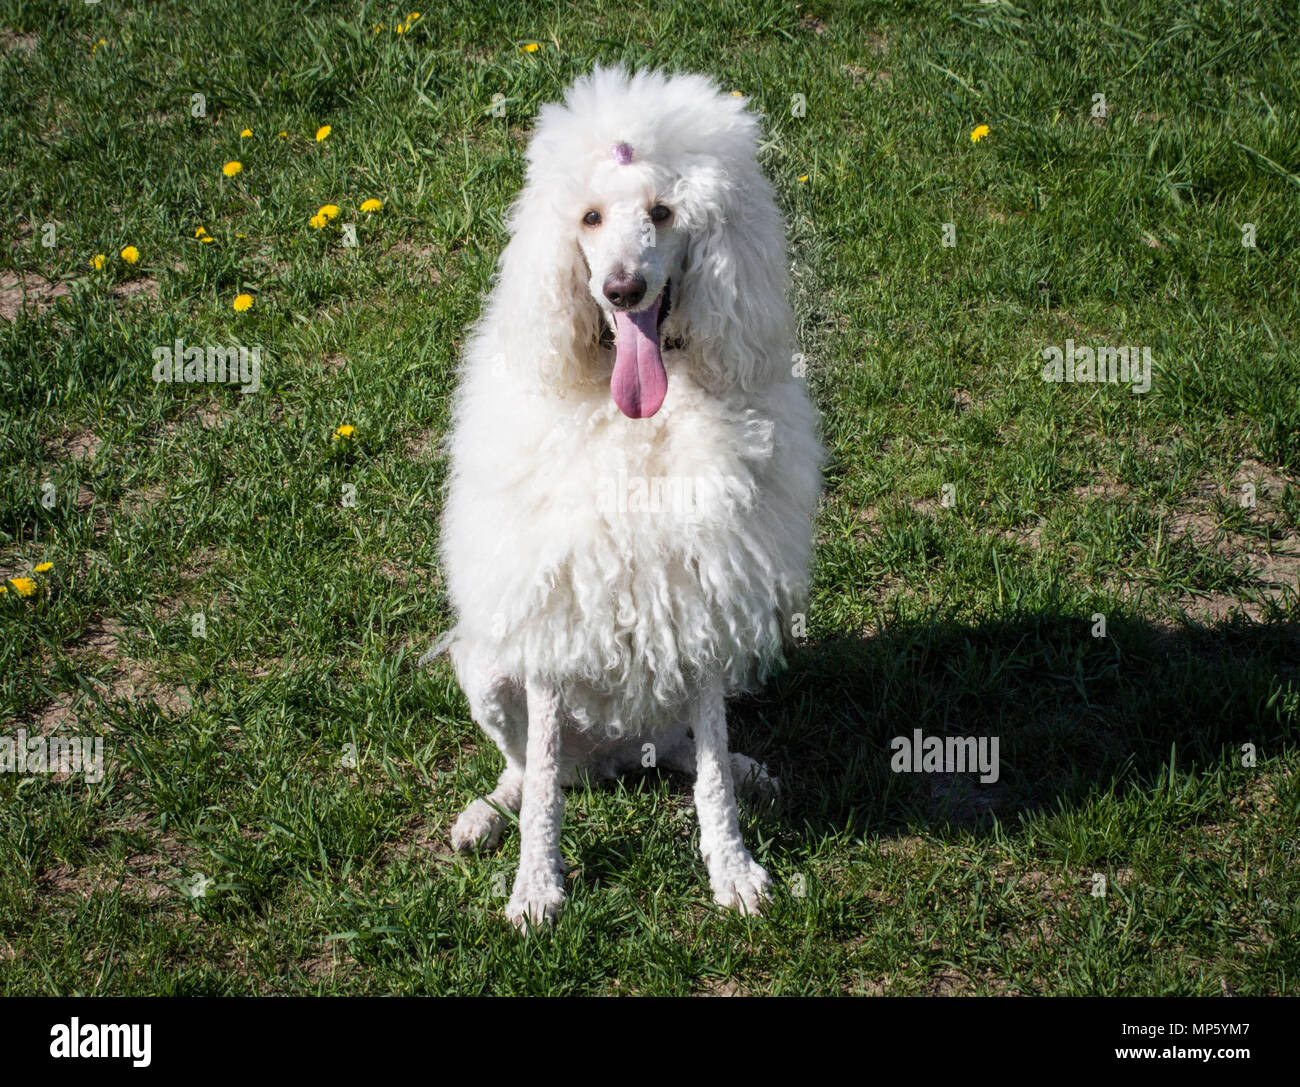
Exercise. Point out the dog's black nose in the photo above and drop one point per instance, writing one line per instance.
(624, 291)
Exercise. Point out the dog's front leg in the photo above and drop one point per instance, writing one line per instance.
(539, 884)
(738, 881)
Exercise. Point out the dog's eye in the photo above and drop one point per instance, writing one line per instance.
(659, 214)
(592, 218)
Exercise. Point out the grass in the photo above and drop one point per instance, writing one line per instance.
(1122, 756)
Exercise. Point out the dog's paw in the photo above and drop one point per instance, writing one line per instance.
(479, 827)
(534, 906)
(743, 885)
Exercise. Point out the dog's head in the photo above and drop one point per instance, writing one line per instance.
(645, 215)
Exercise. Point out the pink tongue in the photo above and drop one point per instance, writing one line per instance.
(639, 383)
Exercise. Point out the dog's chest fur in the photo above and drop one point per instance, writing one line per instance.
(628, 556)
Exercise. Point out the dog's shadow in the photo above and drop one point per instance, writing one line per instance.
(1076, 712)
(1076, 708)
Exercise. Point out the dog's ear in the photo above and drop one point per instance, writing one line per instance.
(541, 309)
(733, 296)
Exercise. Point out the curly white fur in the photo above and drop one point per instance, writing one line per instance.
(616, 578)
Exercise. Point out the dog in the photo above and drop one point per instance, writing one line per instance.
(634, 470)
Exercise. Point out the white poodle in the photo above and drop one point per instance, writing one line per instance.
(635, 467)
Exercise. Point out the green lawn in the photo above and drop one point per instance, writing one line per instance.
(976, 517)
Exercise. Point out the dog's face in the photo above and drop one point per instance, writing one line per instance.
(633, 244)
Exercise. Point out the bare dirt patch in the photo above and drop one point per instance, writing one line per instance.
(27, 292)
(143, 874)
(1271, 551)
(118, 677)
(424, 445)
(859, 76)
(11, 42)
(135, 289)
(330, 965)
(422, 841)
(80, 446)
(1104, 488)
(417, 261)
(1028, 536)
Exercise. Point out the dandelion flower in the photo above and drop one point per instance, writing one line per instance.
(412, 16)
(96, 46)
(43, 567)
(97, 261)
(130, 254)
(736, 94)
(231, 168)
(242, 302)
(25, 585)
(318, 221)
(531, 47)
(323, 132)
(804, 178)
(283, 134)
(978, 133)
(345, 431)
(371, 205)
(246, 133)
(400, 28)
(330, 211)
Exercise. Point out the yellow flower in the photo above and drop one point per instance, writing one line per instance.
(412, 17)
(330, 211)
(379, 27)
(284, 134)
(242, 302)
(97, 261)
(371, 205)
(400, 28)
(25, 585)
(130, 254)
(804, 178)
(43, 567)
(531, 47)
(345, 431)
(978, 133)
(200, 232)
(97, 45)
(736, 94)
(318, 221)
(231, 168)
(323, 132)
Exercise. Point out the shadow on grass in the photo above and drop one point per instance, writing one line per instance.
(1073, 713)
